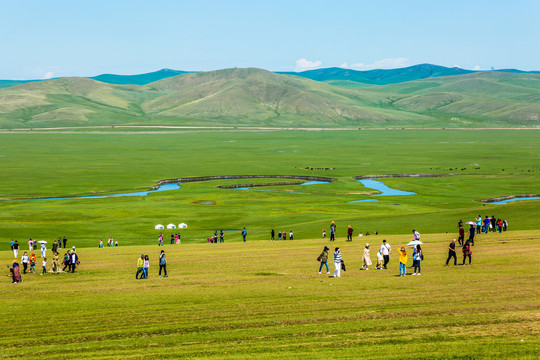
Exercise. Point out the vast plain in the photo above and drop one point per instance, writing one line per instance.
(265, 299)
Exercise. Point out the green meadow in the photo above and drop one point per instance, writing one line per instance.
(480, 163)
(266, 300)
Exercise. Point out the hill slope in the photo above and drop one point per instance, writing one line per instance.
(254, 97)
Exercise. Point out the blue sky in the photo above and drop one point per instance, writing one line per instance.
(43, 39)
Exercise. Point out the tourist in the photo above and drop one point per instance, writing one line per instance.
(15, 273)
(174, 237)
(43, 250)
(333, 231)
(66, 260)
(349, 233)
(146, 266)
(279, 235)
(11, 243)
(466, 253)
(493, 225)
(337, 263)
(499, 225)
(215, 237)
(162, 263)
(73, 260)
(402, 262)
(478, 224)
(140, 267)
(100, 244)
(460, 223)
(25, 259)
(386, 251)
(272, 234)
(30, 245)
(291, 237)
(323, 258)
(116, 243)
(54, 247)
(505, 225)
(55, 267)
(416, 235)
(471, 235)
(244, 234)
(16, 249)
(461, 238)
(59, 243)
(366, 261)
(324, 233)
(380, 259)
(44, 265)
(64, 241)
(486, 225)
(222, 236)
(417, 257)
(452, 252)
(33, 261)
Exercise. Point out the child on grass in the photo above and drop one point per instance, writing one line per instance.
(44, 263)
(33, 263)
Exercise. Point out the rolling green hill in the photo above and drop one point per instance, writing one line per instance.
(254, 97)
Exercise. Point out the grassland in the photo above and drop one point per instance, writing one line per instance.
(56, 164)
(265, 300)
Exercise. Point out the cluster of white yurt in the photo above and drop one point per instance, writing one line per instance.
(171, 226)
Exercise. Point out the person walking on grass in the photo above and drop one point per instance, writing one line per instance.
(386, 251)
(380, 260)
(43, 250)
(146, 266)
(471, 235)
(16, 249)
(244, 234)
(452, 252)
(140, 267)
(272, 234)
(33, 261)
(402, 262)
(44, 265)
(74, 259)
(417, 257)
(64, 240)
(25, 259)
(323, 258)
(66, 260)
(333, 231)
(366, 261)
(466, 253)
(461, 238)
(337, 263)
(55, 267)
(30, 244)
(349, 233)
(162, 263)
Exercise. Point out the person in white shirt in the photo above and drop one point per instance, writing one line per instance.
(25, 259)
(43, 250)
(379, 260)
(386, 251)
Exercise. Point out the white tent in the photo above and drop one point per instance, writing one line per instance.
(171, 226)
(182, 226)
(159, 227)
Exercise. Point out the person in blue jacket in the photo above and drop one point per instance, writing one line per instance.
(244, 234)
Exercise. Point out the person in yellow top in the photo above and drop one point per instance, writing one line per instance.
(140, 265)
(402, 262)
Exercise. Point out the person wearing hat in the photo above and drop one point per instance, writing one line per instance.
(402, 262)
(366, 261)
(323, 258)
(349, 233)
(140, 264)
(15, 273)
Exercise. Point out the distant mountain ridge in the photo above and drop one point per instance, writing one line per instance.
(335, 75)
(255, 97)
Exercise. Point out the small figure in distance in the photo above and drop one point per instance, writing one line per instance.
(291, 237)
(386, 251)
(140, 266)
(452, 252)
(471, 235)
(324, 233)
(416, 235)
(272, 234)
(337, 262)
(366, 261)
(333, 231)
(244, 234)
(380, 259)
(279, 235)
(162, 263)
(417, 257)
(221, 236)
(461, 238)
(402, 262)
(349, 233)
(323, 258)
(466, 252)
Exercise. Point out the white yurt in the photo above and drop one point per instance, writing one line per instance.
(182, 226)
(171, 226)
(159, 227)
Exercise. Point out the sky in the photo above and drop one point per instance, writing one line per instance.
(55, 38)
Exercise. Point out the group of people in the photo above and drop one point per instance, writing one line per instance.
(383, 257)
(481, 226)
(143, 264)
(28, 262)
(281, 235)
(465, 249)
(110, 243)
(214, 238)
(350, 232)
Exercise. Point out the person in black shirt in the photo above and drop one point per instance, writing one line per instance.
(65, 241)
(471, 235)
(461, 238)
(452, 252)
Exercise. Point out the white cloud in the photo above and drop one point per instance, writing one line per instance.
(48, 75)
(476, 67)
(304, 64)
(390, 63)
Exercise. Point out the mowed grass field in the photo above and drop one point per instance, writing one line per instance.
(483, 164)
(265, 300)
